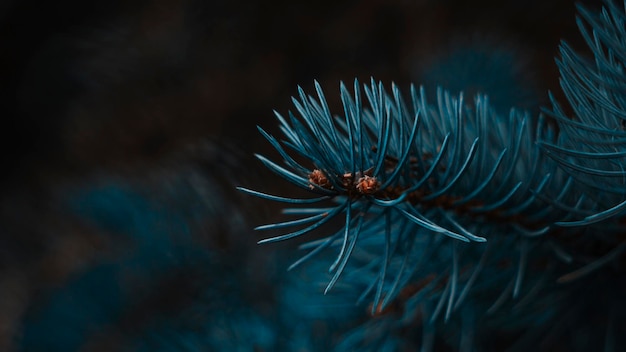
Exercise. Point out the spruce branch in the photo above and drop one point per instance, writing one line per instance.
(448, 208)
(396, 172)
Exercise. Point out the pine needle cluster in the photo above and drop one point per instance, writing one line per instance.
(455, 224)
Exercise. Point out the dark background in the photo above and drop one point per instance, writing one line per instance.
(98, 88)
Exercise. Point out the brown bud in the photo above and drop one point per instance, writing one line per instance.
(367, 185)
(317, 177)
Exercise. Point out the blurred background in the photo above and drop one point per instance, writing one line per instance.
(127, 126)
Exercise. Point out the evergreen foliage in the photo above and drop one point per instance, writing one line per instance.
(458, 226)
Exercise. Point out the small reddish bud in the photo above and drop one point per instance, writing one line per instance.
(317, 177)
(367, 185)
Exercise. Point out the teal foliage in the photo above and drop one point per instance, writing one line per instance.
(591, 145)
(453, 222)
